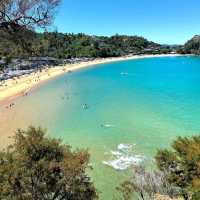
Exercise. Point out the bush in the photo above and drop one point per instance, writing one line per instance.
(145, 184)
(182, 164)
(38, 168)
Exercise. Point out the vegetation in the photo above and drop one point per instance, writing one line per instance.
(61, 45)
(19, 18)
(191, 47)
(29, 14)
(145, 185)
(178, 173)
(182, 165)
(38, 168)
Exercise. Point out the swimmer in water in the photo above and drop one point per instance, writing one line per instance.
(85, 106)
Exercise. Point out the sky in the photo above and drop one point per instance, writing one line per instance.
(162, 21)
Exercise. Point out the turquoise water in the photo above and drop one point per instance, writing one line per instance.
(146, 103)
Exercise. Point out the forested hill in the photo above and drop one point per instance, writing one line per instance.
(192, 46)
(61, 45)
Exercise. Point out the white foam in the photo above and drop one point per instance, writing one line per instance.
(124, 162)
(116, 153)
(124, 146)
(124, 158)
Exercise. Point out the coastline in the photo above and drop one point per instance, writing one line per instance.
(22, 85)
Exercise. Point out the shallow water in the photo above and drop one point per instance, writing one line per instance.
(122, 112)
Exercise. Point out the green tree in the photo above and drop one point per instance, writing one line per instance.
(38, 168)
(182, 164)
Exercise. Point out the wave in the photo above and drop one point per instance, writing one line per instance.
(124, 157)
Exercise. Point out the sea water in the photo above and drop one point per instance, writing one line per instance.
(122, 112)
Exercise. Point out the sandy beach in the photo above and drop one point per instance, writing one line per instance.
(22, 85)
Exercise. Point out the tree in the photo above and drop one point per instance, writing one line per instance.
(145, 184)
(192, 46)
(27, 13)
(38, 168)
(182, 165)
(60, 45)
(20, 17)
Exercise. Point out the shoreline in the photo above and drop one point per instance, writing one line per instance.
(21, 86)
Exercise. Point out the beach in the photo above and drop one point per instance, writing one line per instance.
(22, 85)
(134, 106)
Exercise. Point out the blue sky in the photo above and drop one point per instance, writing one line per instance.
(163, 21)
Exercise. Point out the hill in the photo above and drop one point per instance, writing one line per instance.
(192, 46)
(60, 45)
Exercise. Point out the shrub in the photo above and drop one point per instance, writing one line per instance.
(38, 168)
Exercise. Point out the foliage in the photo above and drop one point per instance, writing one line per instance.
(38, 168)
(7, 60)
(182, 164)
(196, 196)
(19, 18)
(61, 45)
(29, 14)
(145, 184)
(192, 46)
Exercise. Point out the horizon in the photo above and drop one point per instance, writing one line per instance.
(172, 23)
